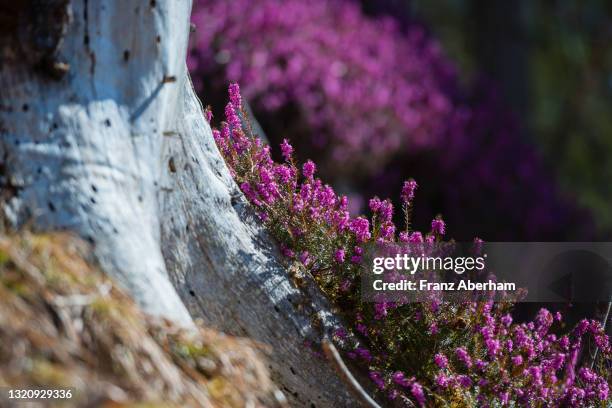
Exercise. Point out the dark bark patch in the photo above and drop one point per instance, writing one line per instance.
(33, 31)
(168, 79)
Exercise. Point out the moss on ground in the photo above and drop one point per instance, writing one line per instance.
(65, 324)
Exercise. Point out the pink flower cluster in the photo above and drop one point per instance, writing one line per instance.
(524, 363)
(360, 84)
(417, 351)
(359, 91)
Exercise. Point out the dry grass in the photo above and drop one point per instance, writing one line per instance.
(65, 324)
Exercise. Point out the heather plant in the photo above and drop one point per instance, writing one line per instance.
(359, 84)
(369, 100)
(428, 353)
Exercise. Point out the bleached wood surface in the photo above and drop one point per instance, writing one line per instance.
(117, 150)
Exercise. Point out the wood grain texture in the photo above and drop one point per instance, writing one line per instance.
(82, 153)
(118, 151)
(227, 269)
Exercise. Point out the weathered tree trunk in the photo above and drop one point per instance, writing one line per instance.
(102, 134)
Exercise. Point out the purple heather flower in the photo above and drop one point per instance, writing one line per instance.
(481, 365)
(305, 258)
(286, 150)
(306, 191)
(225, 133)
(217, 136)
(287, 251)
(493, 347)
(581, 327)
(408, 190)
(602, 341)
(234, 95)
(308, 169)
(249, 193)
(375, 204)
(399, 378)
(536, 374)
(361, 228)
(558, 361)
(417, 392)
(386, 211)
(339, 255)
(416, 237)
(564, 342)
(463, 356)
(442, 380)
(393, 394)
(587, 375)
(603, 390)
(544, 320)
(387, 231)
(441, 360)
(241, 142)
(570, 368)
(517, 360)
(363, 353)
(341, 219)
(376, 377)
(576, 395)
(231, 116)
(381, 310)
(464, 381)
(283, 173)
(438, 227)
